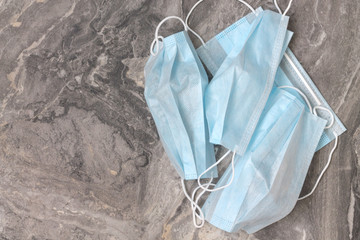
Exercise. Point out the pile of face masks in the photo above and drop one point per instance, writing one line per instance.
(260, 105)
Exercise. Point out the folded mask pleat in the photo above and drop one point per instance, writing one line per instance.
(174, 90)
(188, 91)
(295, 157)
(236, 96)
(154, 83)
(202, 146)
(222, 97)
(265, 159)
(173, 107)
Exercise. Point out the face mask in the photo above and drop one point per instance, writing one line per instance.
(269, 177)
(175, 83)
(252, 68)
(290, 72)
(237, 94)
(213, 54)
(232, 114)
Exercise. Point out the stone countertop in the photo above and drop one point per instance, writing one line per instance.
(80, 157)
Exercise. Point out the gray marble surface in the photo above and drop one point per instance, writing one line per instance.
(80, 157)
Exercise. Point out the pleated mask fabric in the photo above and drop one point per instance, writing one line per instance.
(290, 72)
(279, 153)
(258, 105)
(175, 83)
(269, 177)
(241, 86)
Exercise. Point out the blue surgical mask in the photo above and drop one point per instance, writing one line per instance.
(237, 94)
(269, 177)
(290, 73)
(291, 141)
(175, 82)
(250, 67)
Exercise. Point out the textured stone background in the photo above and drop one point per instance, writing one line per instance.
(80, 157)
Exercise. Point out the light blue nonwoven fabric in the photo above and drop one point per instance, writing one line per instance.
(237, 94)
(175, 82)
(219, 47)
(269, 176)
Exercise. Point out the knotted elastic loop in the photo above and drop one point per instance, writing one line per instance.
(156, 39)
(279, 10)
(195, 5)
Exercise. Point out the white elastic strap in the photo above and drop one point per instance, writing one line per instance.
(156, 39)
(325, 109)
(194, 208)
(205, 187)
(195, 5)
(187, 20)
(194, 204)
(286, 10)
(331, 152)
(157, 42)
(323, 171)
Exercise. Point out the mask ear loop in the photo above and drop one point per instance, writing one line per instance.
(204, 187)
(194, 204)
(157, 42)
(196, 209)
(332, 121)
(286, 10)
(157, 37)
(187, 20)
(331, 152)
(192, 9)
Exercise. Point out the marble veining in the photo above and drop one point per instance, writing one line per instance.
(80, 157)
